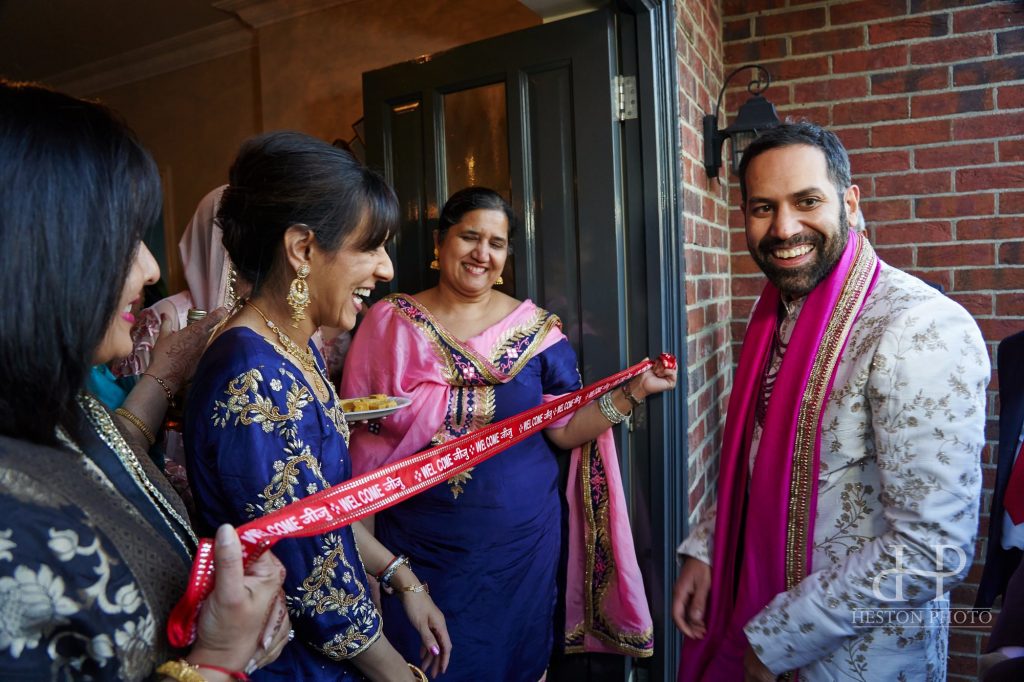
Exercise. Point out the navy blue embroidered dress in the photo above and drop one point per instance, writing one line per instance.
(258, 439)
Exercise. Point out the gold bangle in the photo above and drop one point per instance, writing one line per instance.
(163, 385)
(418, 674)
(182, 671)
(137, 423)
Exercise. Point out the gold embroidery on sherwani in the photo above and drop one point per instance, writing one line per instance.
(812, 405)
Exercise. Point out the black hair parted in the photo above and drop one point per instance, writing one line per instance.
(472, 199)
(800, 132)
(287, 178)
(77, 191)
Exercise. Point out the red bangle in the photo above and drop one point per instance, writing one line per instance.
(233, 674)
(384, 570)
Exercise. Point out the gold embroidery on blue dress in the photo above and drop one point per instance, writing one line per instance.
(281, 489)
(249, 405)
(318, 595)
(470, 408)
(471, 405)
(445, 343)
(458, 481)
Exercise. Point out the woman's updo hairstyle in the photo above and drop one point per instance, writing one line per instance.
(287, 178)
(472, 199)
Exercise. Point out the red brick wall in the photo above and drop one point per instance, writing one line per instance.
(707, 248)
(927, 95)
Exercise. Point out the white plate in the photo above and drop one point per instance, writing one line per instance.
(365, 415)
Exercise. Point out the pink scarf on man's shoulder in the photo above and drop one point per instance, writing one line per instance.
(399, 350)
(783, 488)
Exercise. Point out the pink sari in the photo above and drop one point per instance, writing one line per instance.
(779, 522)
(401, 350)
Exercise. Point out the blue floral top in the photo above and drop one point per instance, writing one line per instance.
(94, 551)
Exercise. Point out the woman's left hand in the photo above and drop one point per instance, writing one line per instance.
(176, 353)
(657, 379)
(429, 622)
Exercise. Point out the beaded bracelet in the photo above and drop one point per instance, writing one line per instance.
(137, 422)
(636, 402)
(163, 385)
(608, 409)
(420, 587)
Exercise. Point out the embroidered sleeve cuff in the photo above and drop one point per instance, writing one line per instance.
(350, 643)
(762, 633)
(700, 542)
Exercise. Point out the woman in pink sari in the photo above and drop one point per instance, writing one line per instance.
(488, 542)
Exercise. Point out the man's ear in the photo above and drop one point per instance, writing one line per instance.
(299, 241)
(852, 201)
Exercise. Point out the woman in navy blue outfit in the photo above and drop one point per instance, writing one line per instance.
(306, 224)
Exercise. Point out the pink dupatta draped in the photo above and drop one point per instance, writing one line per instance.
(782, 491)
(606, 607)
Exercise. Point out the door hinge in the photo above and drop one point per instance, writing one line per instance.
(625, 92)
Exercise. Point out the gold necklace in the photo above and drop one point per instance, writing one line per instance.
(109, 434)
(306, 360)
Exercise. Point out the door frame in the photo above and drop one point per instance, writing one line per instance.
(653, 213)
(650, 244)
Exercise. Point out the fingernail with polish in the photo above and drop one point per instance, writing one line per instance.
(434, 650)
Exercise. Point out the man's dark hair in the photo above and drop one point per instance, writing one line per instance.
(472, 199)
(287, 178)
(801, 132)
(77, 191)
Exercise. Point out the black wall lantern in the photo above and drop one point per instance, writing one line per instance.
(755, 116)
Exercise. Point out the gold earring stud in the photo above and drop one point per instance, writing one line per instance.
(498, 282)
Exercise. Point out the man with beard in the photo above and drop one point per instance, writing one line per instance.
(849, 474)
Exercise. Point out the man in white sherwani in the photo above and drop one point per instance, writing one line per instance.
(849, 479)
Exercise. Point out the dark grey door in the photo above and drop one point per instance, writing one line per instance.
(532, 114)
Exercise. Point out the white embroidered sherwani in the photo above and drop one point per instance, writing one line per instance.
(900, 477)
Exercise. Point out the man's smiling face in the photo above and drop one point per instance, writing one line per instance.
(797, 224)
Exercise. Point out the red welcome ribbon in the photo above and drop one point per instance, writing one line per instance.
(365, 495)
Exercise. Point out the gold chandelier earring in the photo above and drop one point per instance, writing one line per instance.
(298, 295)
(434, 265)
(498, 282)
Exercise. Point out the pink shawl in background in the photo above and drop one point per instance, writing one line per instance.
(205, 261)
(783, 488)
(606, 608)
